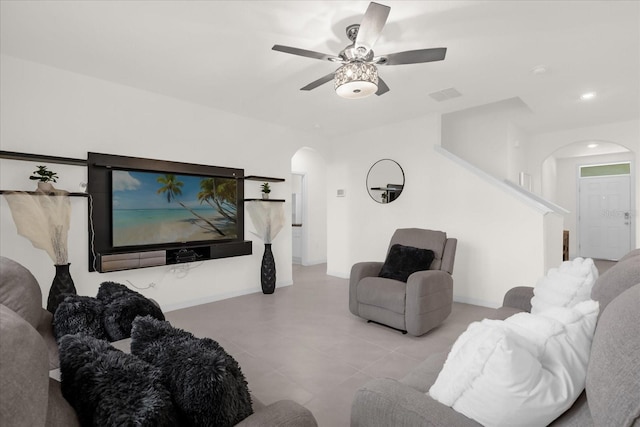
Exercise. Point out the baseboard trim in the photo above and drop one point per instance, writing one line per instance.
(339, 274)
(214, 298)
(313, 262)
(475, 301)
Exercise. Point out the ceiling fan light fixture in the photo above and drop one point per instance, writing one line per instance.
(356, 80)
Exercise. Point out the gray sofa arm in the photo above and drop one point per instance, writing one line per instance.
(385, 402)
(429, 300)
(519, 297)
(283, 413)
(359, 271)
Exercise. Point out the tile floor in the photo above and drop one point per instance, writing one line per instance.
(303, 344)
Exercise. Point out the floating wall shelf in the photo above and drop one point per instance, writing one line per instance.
(262, 178)
(40, 193)
(13, 155)
(29, 157)
(265, 200)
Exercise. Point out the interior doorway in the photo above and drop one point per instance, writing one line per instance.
(297, 216)
(309, 207)
(604, 211)
(560, 183)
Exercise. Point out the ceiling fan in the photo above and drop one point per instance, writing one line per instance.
(358, 76)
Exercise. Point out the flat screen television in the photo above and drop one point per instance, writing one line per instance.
(142, 205)
(150, 208)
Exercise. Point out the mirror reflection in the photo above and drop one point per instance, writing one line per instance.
(385, 181)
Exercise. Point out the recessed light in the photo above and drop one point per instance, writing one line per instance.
(539, 69)
(588, 95)
(592, 145)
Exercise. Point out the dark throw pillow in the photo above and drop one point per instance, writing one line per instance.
(207, 384)
(403, 261)
(107, 387)
(122, 305)
(109, 291)
(79, 314)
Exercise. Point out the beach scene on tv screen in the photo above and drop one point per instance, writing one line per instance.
(156, 208)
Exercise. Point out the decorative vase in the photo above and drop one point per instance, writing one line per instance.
(268, 271)
(62, 284)
(265, 196)
(46, 187)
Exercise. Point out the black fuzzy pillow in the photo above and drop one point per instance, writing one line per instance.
(109, 291)
(207, 384)
(122, 305)
(107, 387)
(403, 261)
(77, 314)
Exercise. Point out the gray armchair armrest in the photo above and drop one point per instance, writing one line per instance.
(385, 402)
(519, 297)
(429, 300)
(358, 272)
(283, 413)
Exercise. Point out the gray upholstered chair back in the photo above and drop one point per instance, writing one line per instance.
(443, 248)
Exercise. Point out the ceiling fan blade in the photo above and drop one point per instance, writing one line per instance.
(307, 53)
(413, 56)
(382, 87)
(319, 82)
(371, 26)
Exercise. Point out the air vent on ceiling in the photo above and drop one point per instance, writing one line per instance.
(445, 94)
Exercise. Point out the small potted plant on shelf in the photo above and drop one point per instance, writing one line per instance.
(44, 177)
(266, 189)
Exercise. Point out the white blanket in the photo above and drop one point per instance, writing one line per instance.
(564, 286)
(523, 371)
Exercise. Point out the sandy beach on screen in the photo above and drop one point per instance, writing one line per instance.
(183, 230)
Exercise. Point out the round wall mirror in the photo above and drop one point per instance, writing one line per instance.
(385, 181)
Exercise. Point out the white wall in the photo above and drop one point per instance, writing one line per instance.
(517, 140)
(500, 239)
(544, 145)
(487, 137)
(478, 139)
(54, 112)
(549, 174)
(312, 164)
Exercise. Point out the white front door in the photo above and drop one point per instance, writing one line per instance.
(604, 222)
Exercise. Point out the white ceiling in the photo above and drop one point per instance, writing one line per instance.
(218, 54)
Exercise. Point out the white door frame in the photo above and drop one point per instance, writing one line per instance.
(632, 199)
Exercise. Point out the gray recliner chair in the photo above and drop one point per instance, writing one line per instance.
(418, 305)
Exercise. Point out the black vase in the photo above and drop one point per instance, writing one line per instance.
(62, 284)
(268, 271)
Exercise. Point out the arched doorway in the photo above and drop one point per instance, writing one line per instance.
(576, 177)
(309, 207)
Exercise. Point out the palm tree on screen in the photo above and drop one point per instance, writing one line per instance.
(220, 192)
(171, 187)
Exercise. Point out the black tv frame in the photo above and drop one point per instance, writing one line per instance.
(99, 167)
